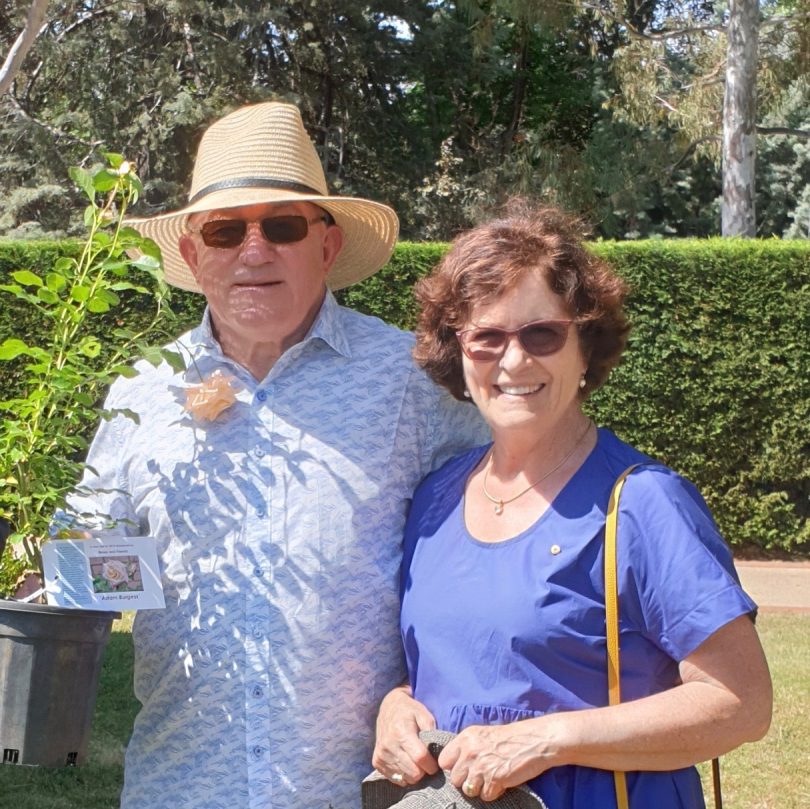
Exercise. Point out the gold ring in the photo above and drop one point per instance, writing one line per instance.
(398, 778)
(469, 787)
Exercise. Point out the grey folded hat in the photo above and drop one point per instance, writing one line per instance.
(436, 791)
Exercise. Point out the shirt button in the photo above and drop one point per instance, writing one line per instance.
(259, 453)
(257, 692)
(257, 571)
(262, 395)
(260, 512)
(258, 751)
(257, 630)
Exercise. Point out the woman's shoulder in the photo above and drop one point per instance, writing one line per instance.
(647, 475)
(658, 502)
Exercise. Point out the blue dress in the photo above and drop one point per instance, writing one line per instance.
(498, 632)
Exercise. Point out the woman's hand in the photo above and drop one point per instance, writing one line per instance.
(399, 754)
(484, 761)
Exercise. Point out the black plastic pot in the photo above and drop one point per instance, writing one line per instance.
(5, 530)
(50, 662)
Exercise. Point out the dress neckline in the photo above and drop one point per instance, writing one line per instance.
(549, 512)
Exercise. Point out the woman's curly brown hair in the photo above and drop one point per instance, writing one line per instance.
(490, 259)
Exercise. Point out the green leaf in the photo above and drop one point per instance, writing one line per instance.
(55, 281)
(83, 180)
(107, 415)
(120, 286)
(90, 347)
(114, 159)
(174, 359)
(47, 295)
(89, 215)
(127, 371)
(107, 295)
(152, 354)
(148, 247)
(114, 265)
(64, 265)
(95, 304)
(11, 348)
(148, 263)
(80, 293)
(27, 278)
(137, 188)
(105, 180)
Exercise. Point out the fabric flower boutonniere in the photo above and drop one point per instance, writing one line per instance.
(216, 393)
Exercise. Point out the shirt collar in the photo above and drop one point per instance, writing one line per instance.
(328, 326)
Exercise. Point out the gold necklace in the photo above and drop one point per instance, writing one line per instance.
(500, 502)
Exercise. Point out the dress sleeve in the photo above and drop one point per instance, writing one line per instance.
(677, 579)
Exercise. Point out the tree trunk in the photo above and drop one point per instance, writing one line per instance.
(739, 120)
(23, 43)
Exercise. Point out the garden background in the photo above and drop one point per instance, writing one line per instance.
(611, 108)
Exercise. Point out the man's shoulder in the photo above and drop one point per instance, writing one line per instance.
(362, 328)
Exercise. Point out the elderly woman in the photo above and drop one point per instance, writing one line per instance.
(503, 601)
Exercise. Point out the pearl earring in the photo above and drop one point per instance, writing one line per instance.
(582, 382)
(466, 393)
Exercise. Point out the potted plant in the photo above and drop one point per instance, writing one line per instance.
(50, 657)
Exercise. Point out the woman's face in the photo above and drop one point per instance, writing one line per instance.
(520, 391)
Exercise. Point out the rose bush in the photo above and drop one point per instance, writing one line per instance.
(65, 375)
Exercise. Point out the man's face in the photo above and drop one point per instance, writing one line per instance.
(259, 291)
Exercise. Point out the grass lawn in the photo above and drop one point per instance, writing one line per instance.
(771, 774)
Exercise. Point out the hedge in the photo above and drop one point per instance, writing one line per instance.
(714, 381)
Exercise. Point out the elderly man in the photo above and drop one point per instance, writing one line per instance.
(275, 472)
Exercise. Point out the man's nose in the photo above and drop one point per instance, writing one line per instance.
(256, 249)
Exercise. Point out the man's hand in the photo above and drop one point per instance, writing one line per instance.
(399, 753)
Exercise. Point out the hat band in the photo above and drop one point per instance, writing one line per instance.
(255, 182)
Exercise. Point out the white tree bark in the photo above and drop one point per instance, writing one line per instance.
(23, 43)
(739, 120)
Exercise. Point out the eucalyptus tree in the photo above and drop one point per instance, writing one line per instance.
(704, 68)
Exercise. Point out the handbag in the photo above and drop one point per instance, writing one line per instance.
(612, 622)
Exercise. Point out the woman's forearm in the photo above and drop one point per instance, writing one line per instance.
(724, 700)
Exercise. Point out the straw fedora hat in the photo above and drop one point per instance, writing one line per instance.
(436, 791)
(262, 154)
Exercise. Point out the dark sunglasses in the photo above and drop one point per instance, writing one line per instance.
(540, 338)
(226, 233)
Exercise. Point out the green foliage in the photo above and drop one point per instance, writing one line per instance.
(714, 381)
(60, 368)
(440, 109)
(783, 168)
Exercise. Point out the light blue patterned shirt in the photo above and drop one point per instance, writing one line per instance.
(279, 530)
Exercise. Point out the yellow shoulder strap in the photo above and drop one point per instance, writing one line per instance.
(612, 621)
(612, 616)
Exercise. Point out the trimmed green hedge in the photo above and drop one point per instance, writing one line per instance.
(714, 381)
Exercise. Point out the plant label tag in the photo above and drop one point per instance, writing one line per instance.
(104, 572)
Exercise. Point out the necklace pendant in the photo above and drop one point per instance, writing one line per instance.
(499, 507)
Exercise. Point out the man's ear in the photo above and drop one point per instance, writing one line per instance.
(332, 245)
(188, 250)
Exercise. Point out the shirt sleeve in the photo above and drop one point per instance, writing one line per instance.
(101, 499)
(453, 427)
(677, 579)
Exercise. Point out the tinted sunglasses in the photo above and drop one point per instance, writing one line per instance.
(539, 338)
(226, 233)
